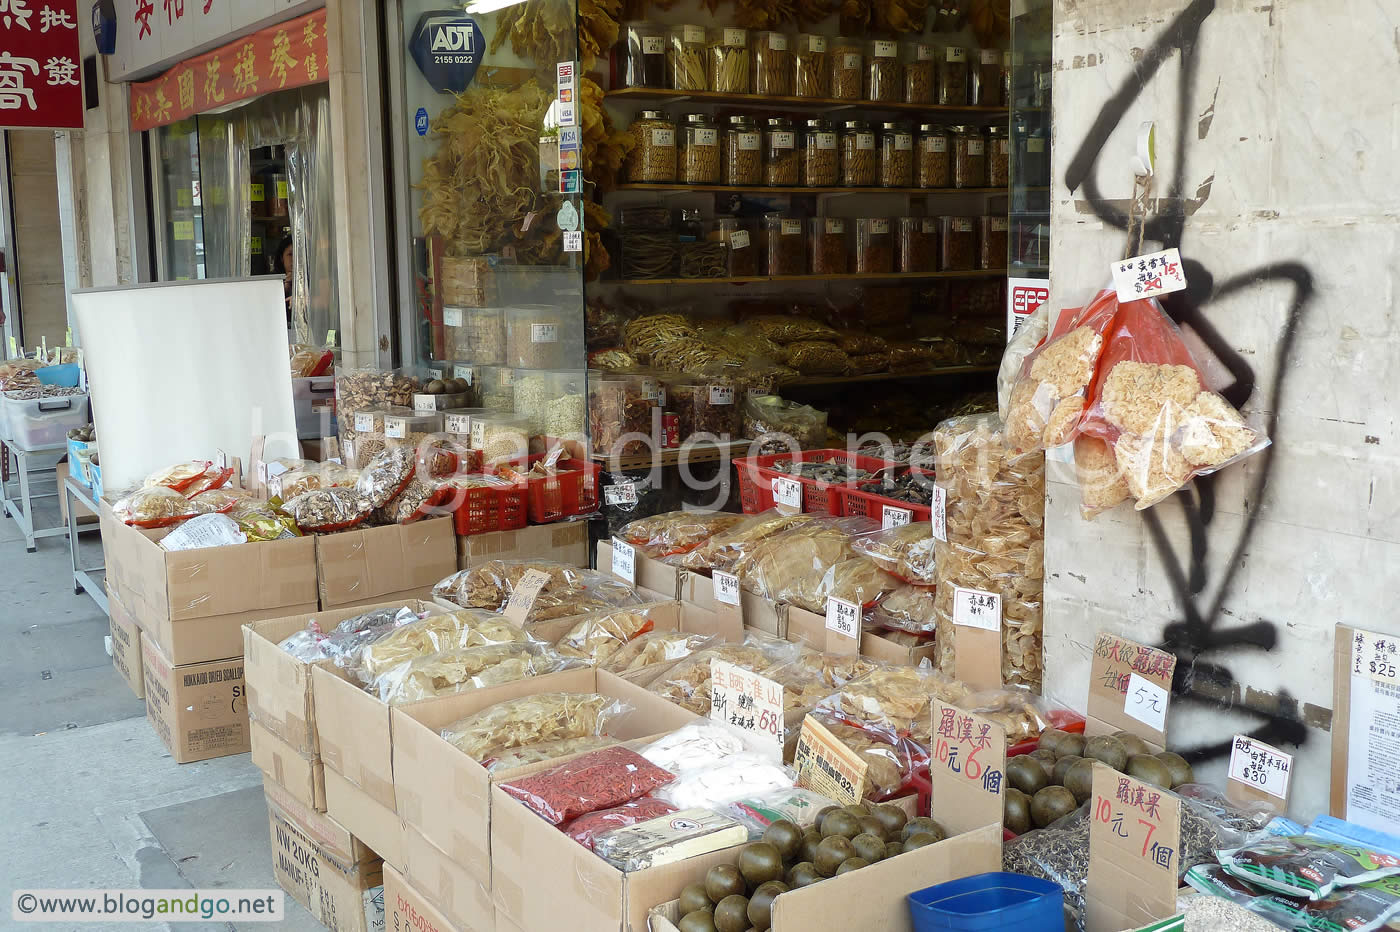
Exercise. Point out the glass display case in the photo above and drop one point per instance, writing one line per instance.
(1029, 86)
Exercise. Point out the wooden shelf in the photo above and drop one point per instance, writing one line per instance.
(763, 189)
(853, 277)
(794, 103)
(887, 376)
(694, 453)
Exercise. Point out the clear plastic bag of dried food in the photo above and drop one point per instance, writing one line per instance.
(179, 476)
(676, 532)
(698, 746)
(1049, 395)
(433, 634)
(859, 579)
(363, 389)
(791, 329)
(261, 521)
(461, 670)
(1020, 713)
(595, 639)
(779, 562)
(418, 500)
(213, 478)
(890, 759)
(223, 500)
(157, 506)
(586, 828)
(386, 475)
(532, 720)
(546, 750)
(1029, 335)
(783, 426)
(327, 510)
(909, 609)
(597, 780)
(687, 683)
(1152, 404)
(725, 549)
(757, 811)
(309, 478)
(895, 698)
(344, 643)
(813, 357)
(655, 647)
(568, 590)
(732, 777)
(996, 541)
(649, 333)
(905, 552)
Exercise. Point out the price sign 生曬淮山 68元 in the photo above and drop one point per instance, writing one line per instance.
(41, 65)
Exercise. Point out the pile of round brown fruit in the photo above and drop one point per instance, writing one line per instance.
(739, 897)
(1058, 776)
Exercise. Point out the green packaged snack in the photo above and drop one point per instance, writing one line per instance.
(1305, 866)
(1364, 908)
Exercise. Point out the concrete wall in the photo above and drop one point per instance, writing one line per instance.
(1277, 143)
(38, 246)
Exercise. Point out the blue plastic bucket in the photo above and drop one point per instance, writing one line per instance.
(989, 901)
(64, 376)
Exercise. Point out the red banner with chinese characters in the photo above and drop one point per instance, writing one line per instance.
(40, 65)
(290, 54)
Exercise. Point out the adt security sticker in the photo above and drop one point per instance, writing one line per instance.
(421, 122)
(448, 48)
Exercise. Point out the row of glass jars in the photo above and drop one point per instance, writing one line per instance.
(816, 153)
(732, 60)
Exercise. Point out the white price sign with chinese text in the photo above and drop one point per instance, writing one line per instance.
(624, 493)
(843, 617)
(1260, 767)
(624, 561)
(787, 493)
(973, 608)
(939, 514)
(726, 588)
(1146, 702)
(891, 517)
(749, 705)
(1156, 273)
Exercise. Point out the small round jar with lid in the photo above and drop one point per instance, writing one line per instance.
(729, 59)
(826, 246)
(998, 157)
(952, 76)
(821, 160)
(858, 154)
(988, 81)
(847, 58)
(934, 157)
(772, 64)
(916, 245)
(698, 161)
(896, 155)
(780, 155)
(874, 246)
(645, 65)
(991, 242)
(742, 253)
(685, 58)
(811, 67)
(653, 158)
(920, 73)
(743, 152)
(969, 157)
(882, 80)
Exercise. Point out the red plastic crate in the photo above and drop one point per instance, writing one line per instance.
(573, 491)
(482, 510)
(756, 479)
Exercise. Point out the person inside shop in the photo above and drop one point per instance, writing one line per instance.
(282, 262)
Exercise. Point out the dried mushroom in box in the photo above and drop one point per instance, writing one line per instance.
(995, 525)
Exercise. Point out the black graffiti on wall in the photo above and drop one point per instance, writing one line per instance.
(1201, 637)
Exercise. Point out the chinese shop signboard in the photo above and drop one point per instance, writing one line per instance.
(40, 65)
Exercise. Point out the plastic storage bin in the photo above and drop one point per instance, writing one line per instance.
(44, 422)
(994, 900)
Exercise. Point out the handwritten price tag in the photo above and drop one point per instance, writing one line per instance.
(974, 608)
(749, 705)
(1260, 767)
(939, 517)
(624, 493)
(1146, 702)
(826, 765)
(787, 494)
(843, 617)
(1376, 656)
(894, 517)
(967, 769)
(1134, 843)
(1129, 688)
(624, 561)
(522, 597)
(1147, 276)
(726, 588)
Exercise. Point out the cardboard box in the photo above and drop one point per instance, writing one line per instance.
(463, 900)
(344, 894)
(200, 710)
(378, 826)
(407, 910)
(872, 897)
(353, 731)
(561, 543)
(302, 776)
(809, 628)
(878, 647)
(85, 514)
(379, 564)
(126, 645)
(193, 603)
(758, 612)
(445, 795)
(280, 695)
(653, 575)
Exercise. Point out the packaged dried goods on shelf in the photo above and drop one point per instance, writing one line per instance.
(729, 59)
(741, 255)
(935, 157)
(858, 154)
(826, 245)
(874, 245)
(361, 389)
(988, 79)
(686, 58)
(969, 157)
(620, 409)
(743, 149)
(920, 83)
(653, 157)
(540, 336)
(817, 357)
(991, 242)
(821, 160)
(699, 157)
(998, 157)
(703, 260)
(811, 66)
(957, 239)
(995, 529)
(649, 255)
(772, 64)
(896, 155)
(847, 58)
(883, 72)
(781, 158)
(326, 510)
(477, 334)
(953, 76)
(916, 244)
(707, 406)
(645, 61)
(784, 246)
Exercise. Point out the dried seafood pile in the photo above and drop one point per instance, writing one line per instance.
(883, 16)
(543, 32)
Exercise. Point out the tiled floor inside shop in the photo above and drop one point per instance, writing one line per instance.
(99, 802)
